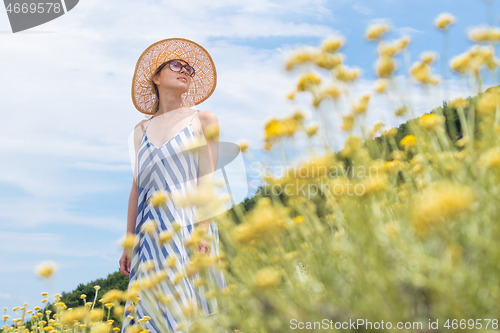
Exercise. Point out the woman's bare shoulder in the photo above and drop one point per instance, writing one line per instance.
(138, 130)
(140, 126)
(208, 118)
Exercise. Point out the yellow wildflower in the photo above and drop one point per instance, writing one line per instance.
(243, 146)
(267, 277)
(376, 127)
(159, 198)
(347, 74)
(440, 202)
(391, 133)
(171, 260)
(408, 141)
(390, 49)
(332, 44)
(129, 241)
(164, 237)
(75, 315)
(311, 130)
(264, 219)
(329, 92)
(472, 60)
(380, 86)
(149, 227)
(361, 105)
(328, 61)
(308, 81)
(427, 57)
(374, 184)
(391, 229)
(490, 158)
(148, 265)
(444, 20)
(352, 145)
(61, 305)
(376, 31)
(401, 111)
(301, 57)
(96, 315)
(484, 34)
(112, 296)
(431, 121)
(460, 63)
(421, 71)
(489, 103)
(100, 328)
(459, 103)
(314, 167)
(385, 66)
(46, 269)
(347, 122)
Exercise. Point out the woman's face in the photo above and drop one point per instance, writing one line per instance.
(169, 79)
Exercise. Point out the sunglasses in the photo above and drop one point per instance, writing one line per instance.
(177, 66)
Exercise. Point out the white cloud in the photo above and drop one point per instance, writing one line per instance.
(5, 296)
(362, 9)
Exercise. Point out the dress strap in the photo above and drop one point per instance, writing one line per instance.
(149, 121)
(194, 114)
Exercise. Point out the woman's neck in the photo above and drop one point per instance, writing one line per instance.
(168, 103)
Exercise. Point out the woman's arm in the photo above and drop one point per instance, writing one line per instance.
(132, 203)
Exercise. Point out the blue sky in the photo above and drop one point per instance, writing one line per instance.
(66, 110)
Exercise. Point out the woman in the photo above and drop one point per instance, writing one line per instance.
(170, 76)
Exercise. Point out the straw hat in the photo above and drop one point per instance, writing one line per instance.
(202, 84)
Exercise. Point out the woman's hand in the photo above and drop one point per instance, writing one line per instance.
(125, 264)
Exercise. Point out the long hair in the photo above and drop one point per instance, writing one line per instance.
(156, 104)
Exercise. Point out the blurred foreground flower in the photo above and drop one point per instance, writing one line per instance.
(46, 269)
(444, 20)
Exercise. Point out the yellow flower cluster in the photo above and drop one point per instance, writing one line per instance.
(301, 57)
(490, 159)
(475, 58)
(361, 106)
(276, 129)
(439, 203)
(332, 44)
(264, 220)
(158, 198)
(385, 64)
(485, 34)
(376, 31)
(308, 81)
(46, 269)
(347, 74)
(421, 71)
(431, 121)
(408, 141)
(489, 103)
(267, 277)
(444, 20)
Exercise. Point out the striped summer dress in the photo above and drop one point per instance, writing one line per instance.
(165, 168)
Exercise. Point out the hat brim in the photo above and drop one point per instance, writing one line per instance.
(203, 82)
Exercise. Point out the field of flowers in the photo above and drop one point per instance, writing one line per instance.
(395, 229)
